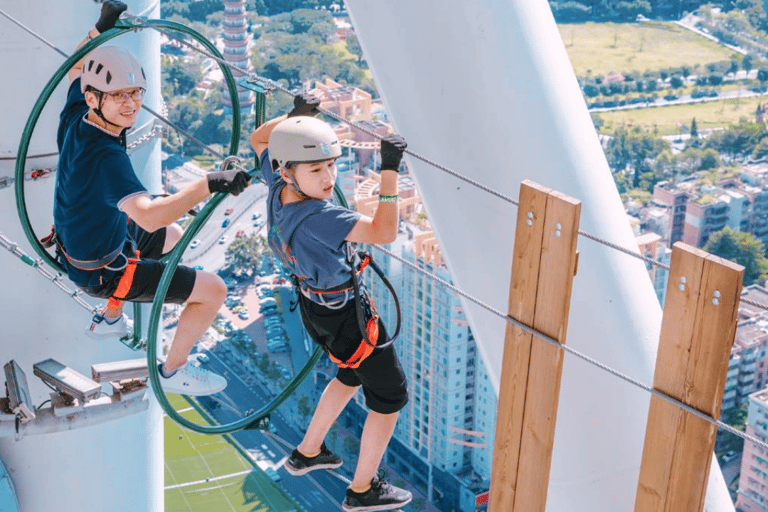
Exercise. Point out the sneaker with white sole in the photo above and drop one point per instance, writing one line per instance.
(100, 329)
(194, 381)
(298, 464)
(381, 496)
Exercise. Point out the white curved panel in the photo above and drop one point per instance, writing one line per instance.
(487, 89)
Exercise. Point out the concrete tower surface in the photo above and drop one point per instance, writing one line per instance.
(487, 89)
(115, 465)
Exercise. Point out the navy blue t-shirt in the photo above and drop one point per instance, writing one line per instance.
(308, 236)
(94, 177)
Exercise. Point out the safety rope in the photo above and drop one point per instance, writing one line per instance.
(55, 278)
(545, 337)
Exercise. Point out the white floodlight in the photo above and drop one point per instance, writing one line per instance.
(120, 370)
(20, 400)
(66, 380)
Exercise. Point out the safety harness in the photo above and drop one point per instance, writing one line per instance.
(129, 265)
(365, 309)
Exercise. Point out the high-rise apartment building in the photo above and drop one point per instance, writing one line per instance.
(443, 443)
(753, 482)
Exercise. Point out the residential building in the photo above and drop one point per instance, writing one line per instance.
(753, 480)
(675, 199)
(651, 246)
(444, 437)
(346, 101)
(704, 215)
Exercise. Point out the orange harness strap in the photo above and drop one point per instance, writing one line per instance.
(364, 350)
(124, 285)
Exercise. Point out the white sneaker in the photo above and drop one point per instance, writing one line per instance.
(194, 381)
(100, 329)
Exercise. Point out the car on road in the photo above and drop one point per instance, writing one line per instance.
(243, 314)
(229, 211)
(194, 243)
(729, 456)
(223, 239)
(203, 358)
(226, 223)
(256, 216)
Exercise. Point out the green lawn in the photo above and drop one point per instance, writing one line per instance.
(205, 473)
(603, 48)
(667, 120)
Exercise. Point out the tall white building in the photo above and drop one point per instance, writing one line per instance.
(443, 442)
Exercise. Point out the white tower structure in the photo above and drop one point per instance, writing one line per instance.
(487, 89)
(115, 465)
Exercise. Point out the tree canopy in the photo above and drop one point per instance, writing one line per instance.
(744, 249)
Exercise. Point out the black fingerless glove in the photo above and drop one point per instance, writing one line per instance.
(110, 11)
(392, 147)
(304, 105)
(230, 182)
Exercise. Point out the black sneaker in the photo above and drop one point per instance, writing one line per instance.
(298, 464)
(381, 496)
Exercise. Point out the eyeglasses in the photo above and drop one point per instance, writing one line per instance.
(122, 96)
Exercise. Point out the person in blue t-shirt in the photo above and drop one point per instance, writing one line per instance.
(309, 235)
(109, 232)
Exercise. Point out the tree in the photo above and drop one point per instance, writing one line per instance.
(633, 150)
(737, 418)
(744, 249)
(246, 252)
(304, 408)
(694, 128)
(762, 75)
(676, 82)
(353, 46)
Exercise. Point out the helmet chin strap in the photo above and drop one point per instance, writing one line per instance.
(292, 182)
(99, 113)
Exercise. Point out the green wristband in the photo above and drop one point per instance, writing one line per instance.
(388, 199)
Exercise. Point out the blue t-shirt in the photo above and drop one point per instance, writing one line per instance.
(308, 236)
(94, 177)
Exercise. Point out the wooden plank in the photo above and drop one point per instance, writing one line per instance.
(698, 329)
(544, 262)
(553, 301)
(529, 231)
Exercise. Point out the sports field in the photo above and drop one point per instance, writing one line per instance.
(205, 473)
(598, 49)
(669, 120)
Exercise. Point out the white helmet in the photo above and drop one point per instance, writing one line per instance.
(303, 139)
(109, 68)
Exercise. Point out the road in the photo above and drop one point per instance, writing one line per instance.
(317, 491)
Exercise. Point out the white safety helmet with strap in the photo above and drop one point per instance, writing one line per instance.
(110, 68)
(302, 139)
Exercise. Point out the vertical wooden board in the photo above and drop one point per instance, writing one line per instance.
(511, 404)
(690, 464)
(539, 427)
(716, 330)
(517, 345)
(527, 251)
(660, 438)
(677, 324)
(558, 260)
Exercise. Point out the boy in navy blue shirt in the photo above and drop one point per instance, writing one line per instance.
(309, 235)
(97, 192)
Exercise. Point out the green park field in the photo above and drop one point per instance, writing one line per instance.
(668, 120)
(205, 473)
(598, 49)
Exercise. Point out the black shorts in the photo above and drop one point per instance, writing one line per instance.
(380, 374)
(148, 272)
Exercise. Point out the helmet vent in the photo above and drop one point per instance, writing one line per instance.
(90, 65)
(98, 68)
(109, 77)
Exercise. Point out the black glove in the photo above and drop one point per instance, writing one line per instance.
(392, 147)
(230, 182)
(110, 11)
(304, 104)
